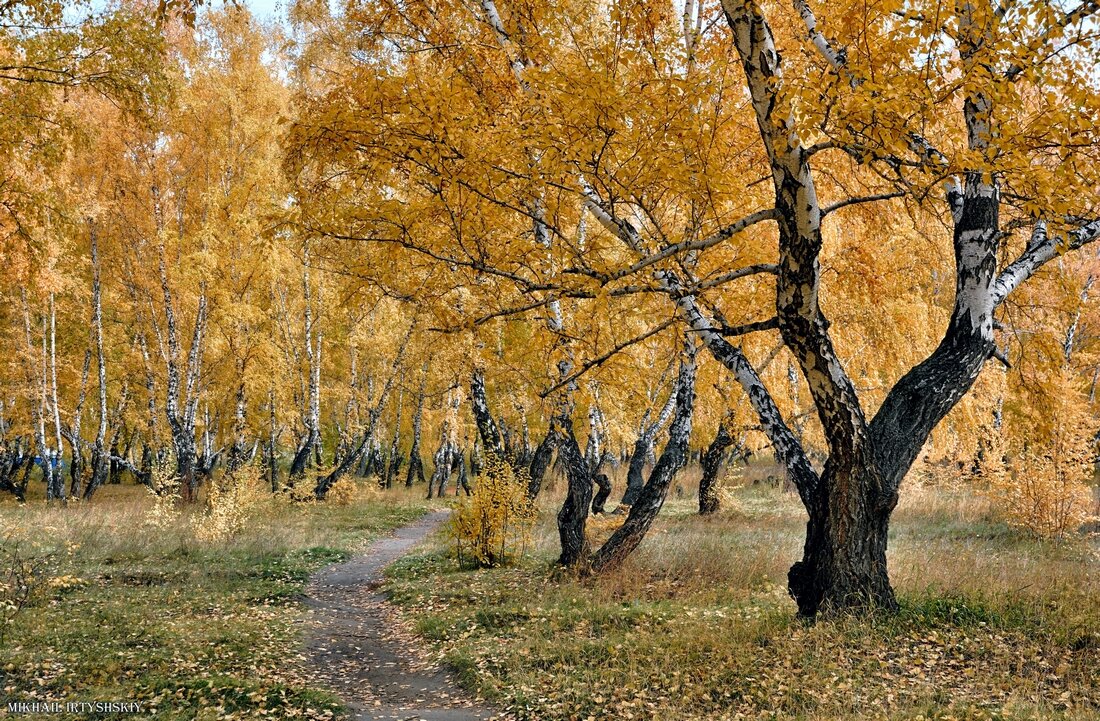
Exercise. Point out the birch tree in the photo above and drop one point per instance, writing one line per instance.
(970, 130)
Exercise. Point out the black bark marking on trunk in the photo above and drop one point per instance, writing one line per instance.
(540, 461)
(712, 466)
(574, 511)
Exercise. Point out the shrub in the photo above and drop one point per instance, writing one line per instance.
(231, 502)
(494, 523)
(1039, 484)
(165, 489)
(22, 580)
(301, 492)
(345, 492)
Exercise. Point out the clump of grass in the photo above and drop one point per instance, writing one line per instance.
(697, 624)
(193, 628)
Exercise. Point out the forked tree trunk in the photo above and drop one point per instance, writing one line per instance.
(604, 484)
(635, 470)
(443, 464)
(844, 557)
(643, 449)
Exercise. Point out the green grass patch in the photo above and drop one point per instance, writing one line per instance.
(125, 611)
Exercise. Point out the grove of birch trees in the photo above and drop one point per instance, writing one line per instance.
(597, 241)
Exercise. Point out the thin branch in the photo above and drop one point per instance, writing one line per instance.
(1082, 11)
(860, 199)
(1041, 248)
(598, 361)
(695, 245)
(746, 328)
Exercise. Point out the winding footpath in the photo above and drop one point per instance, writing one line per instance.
(354, 647)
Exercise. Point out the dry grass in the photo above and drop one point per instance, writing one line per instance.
(697, 624)
(193, 629)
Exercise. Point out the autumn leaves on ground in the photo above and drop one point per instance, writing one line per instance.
(135, 602)
(698, 624)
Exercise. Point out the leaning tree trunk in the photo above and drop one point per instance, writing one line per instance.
(463, 474)
(635, 471)
(604, 484)
(652, 496)
(487, 428)
(643, 449)
(712, 465)
(540, 461)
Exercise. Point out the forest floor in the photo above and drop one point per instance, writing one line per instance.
(128, 605)
(698, 624)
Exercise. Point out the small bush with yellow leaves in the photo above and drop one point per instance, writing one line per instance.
(301, 492)
(493, 525)
(165, 489)
(344, 492)
(231, 502)
(1040, 484)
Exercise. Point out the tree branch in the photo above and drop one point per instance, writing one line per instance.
(589, 365)
(834, 57)
(1082, 11)
(1041, 248)
(746, 328)
(860, 199)
(788, 449)
(702, 244)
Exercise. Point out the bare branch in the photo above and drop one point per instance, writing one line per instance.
(746, 328)
(600, 360)
(861, 199)
(702, 244)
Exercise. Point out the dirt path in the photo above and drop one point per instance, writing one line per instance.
(355, 650)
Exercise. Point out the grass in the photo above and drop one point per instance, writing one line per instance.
(698, 625)
(192, 629)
